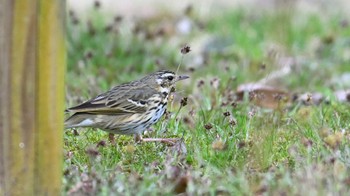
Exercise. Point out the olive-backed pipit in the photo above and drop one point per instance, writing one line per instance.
(129, 108)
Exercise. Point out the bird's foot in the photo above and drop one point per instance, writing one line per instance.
(170, 141)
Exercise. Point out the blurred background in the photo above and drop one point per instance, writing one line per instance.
(268, 97)
(152, 7)
(253, 41)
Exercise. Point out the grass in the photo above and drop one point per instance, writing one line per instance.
(227, 149)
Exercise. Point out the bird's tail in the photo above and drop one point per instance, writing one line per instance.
(79, 120)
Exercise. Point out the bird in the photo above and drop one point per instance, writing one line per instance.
(129, 108)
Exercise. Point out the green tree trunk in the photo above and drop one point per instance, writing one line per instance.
(32, 66)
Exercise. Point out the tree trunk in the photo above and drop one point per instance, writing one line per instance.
(32, 65)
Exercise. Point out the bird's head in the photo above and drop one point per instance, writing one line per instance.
(165, 79)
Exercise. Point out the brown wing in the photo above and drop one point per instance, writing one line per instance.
(121, 99)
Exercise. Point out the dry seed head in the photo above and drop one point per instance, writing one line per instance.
(189, 9)
(227, 113)
(71, 13)
(191, 69)
(89, 55)
(223, 104)
(75, 21)
(108, 28)
(188, 121)
(192, 112)
(208, 126)
(251, 113)
(234, 104)
(118, 19)
(218, 145)
(160, 32)
(233, 121)
(92, 152)
(97, 4)
(183, 101)
(241, 144)
(262, 66)
(278, 96)
(200, 83)
(308, 98)
(101, 143)
(186, 49)
(91, 28)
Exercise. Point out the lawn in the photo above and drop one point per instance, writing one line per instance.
(289, 135)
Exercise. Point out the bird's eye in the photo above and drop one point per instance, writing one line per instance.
(170, 78)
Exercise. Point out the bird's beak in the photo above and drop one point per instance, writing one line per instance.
(182, 78)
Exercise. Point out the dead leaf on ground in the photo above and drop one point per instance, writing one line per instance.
(264, 96)
(218, 145)
(78, 186)
(181, 184)
(179, 148)
(343, 95)
(130, 149)
(334, 140)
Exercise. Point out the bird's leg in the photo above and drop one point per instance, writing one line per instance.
(111, 138)
(171, 141)
(138, 138)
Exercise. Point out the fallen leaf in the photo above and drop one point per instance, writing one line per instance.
(179, 148)
(129, 148)
(181, 184)
(264, 96)
(334, 140)
(324, 132)
(218, 145)
(339, 169)
(343, 95)
(78, 186)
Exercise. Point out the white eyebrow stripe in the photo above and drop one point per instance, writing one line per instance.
(136, 103)
(167, 74)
